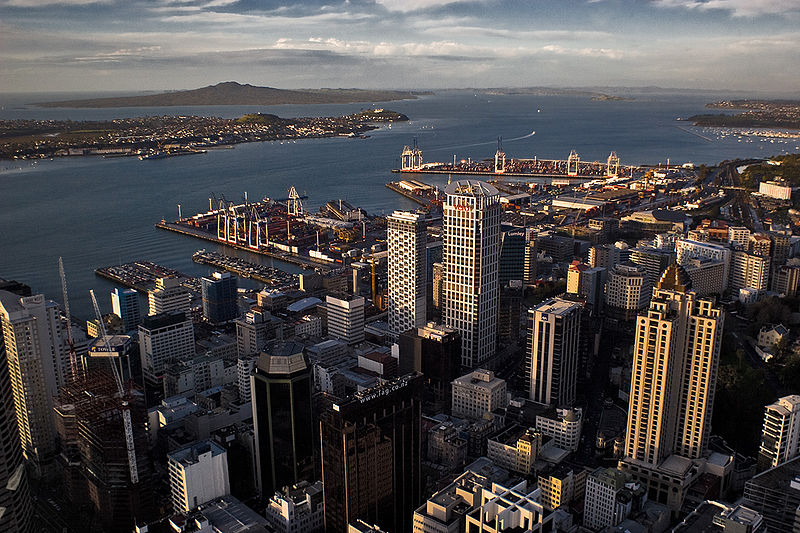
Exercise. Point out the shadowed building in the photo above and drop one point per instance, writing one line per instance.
(370, 447)
(281, 387)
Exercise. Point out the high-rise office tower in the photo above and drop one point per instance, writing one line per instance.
(552, 355)
(435, 351)
(512, 255)
(471, 250)
(125, 303)
(169, 295)
(281, 387)
(164, 338)
(370, 444)
(15, 498)
(345, 317)
(780, 436)
(406, 240)
(220, 297)
(674, 372)
(38, 365)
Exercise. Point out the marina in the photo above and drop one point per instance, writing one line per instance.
(142, 275)
(272, 276)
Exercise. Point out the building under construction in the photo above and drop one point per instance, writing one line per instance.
(95, 452)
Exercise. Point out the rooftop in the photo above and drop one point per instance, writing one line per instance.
(189, 455)
(471, 188)
(556, 306)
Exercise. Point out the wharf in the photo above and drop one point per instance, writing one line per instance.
(498, 174)
(265, 274)
(287, 257)
(139, 275)
(421, 200)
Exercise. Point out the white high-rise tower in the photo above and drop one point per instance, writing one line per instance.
(471, 251)
(406, 244)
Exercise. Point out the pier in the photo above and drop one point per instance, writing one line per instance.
(502, 166)
(270, 275)
(140, 275)
(287, 257)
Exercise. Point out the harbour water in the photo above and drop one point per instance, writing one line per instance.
(98, 212)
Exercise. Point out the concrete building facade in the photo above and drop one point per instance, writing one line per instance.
(471, 258)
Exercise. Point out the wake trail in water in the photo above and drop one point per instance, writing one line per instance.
(531, 134)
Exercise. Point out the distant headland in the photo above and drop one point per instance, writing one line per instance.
(233, 93)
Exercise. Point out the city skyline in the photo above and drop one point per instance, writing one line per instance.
(106, 45)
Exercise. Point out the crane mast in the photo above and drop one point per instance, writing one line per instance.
(73, 361)
(126, 409)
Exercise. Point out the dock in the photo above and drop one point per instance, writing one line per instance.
(287, 257)
(270, 275)
(140, 275)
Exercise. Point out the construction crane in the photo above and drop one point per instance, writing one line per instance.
(126, 408)
(73, 360)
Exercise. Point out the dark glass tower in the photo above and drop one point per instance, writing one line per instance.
(370, 447)
(435, 351)
(220, 296)
(281, 387)
(512, 255)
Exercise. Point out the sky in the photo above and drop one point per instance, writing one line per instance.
(137, 45)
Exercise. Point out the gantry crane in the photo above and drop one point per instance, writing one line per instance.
(126, 408)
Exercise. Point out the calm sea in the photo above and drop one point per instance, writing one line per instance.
(97, 212)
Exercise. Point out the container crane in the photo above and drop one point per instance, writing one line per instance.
(73, 360)
(126, 409)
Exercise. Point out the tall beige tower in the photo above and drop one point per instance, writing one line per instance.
(470, 257)
(674, 373)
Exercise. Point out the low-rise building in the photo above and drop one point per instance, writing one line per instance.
(297, 509)
(478, 393)
(515, 449)
(563, 425)
(198, 473)
(777, 189)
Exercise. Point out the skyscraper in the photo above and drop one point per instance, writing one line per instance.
(125, 303)
(780, 436)
(281, 387)
(673, 383)
(164, 338)
(345, 317)
(512, 255)
(406, 240)
(435, 351)
(38, 365)
(15, 499)
(169, 295)
(552, 355)
(220, 297)
(370, 444)
(471, 250)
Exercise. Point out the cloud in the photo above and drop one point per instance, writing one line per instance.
(414, 5)
(49, 3)
(738, 8)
